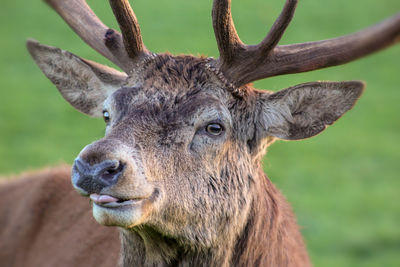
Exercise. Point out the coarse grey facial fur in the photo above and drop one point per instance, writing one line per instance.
(178, 170)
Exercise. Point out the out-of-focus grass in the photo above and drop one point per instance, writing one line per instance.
(344, 184)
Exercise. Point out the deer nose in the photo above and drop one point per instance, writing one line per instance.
(89, 179)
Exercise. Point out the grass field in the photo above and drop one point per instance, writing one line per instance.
(344, 184)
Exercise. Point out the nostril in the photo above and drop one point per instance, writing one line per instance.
(111, 173)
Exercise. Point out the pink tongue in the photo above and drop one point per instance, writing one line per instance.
(103, 198)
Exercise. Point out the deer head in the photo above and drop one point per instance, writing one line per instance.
(185, 135)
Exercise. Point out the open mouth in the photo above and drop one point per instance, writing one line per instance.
(112, 202)
(113, 210)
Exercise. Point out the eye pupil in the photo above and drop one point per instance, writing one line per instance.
(214, 129)
(106, 116)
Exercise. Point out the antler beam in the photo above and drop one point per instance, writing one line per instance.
(91, 30)
(321, 54)
(119, 49)
(242, 63)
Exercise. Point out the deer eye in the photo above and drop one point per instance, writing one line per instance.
(106, 116)
(214, 129)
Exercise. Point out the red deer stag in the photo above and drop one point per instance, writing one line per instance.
(178, 170)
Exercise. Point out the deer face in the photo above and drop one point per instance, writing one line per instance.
(163, 160)
(180, 149)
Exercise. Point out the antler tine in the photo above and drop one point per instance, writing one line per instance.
(130, 29)
(278, 28)
(91, 30)
(227, 38)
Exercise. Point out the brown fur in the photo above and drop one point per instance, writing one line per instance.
(45, 223)
(273, 228)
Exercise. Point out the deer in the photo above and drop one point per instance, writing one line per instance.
(178, 173)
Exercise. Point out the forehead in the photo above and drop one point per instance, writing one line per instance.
(172, 89)
(173, 81)
(171, 104)
(176, 73)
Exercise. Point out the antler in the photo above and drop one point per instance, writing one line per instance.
(242, 63)
(108, 42)
(130, 28)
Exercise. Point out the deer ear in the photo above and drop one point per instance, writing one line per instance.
(83, 83)
(305, 110)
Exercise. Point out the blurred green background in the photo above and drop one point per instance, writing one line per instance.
(343, 184)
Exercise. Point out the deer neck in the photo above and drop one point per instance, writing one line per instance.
(270, 238)
(146, 247)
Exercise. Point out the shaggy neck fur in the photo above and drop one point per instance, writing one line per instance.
(270, 238)
(145, 247)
